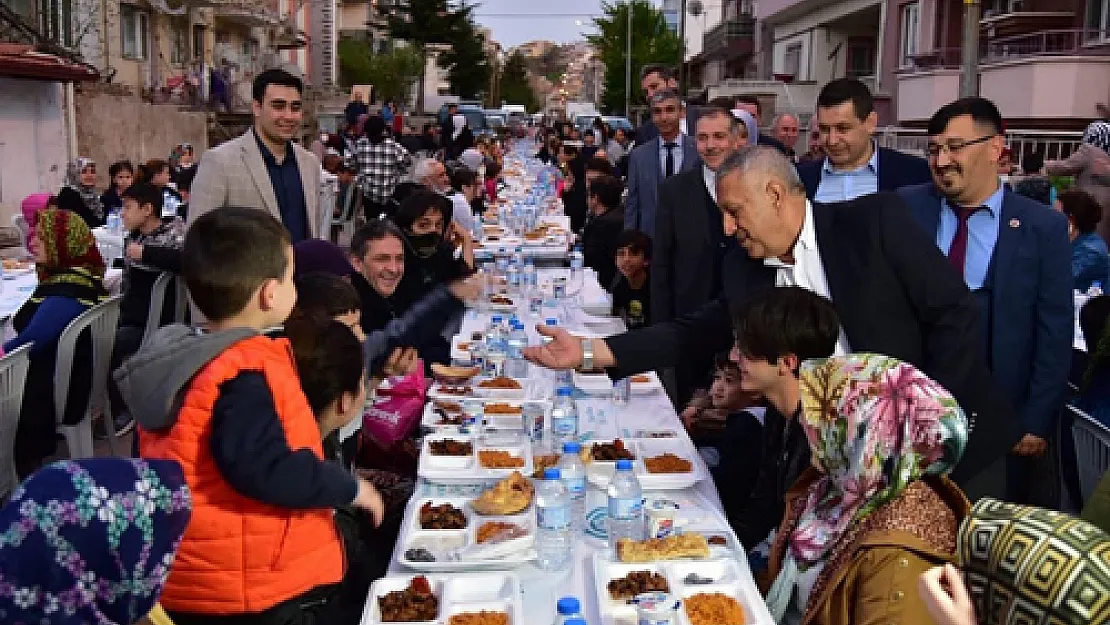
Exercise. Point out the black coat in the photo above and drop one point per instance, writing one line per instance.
(895, 294)
(599, 243)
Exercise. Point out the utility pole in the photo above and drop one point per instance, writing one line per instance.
(969, 78)
(682, 50)
(628, 65)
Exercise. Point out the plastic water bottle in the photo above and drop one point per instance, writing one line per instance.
(115, 222)
(518, 257)
(577, 260)
(626, 505)
(535, 298)
(564, 417)
(495, 348)
(553, 538)
(531, 276)
(516, 366)
(573, 472)
(512, 277)
(568, 610)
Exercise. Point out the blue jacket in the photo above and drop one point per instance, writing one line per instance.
(1031, 318)
(645, 173)
(896, 170)
(1090, 261)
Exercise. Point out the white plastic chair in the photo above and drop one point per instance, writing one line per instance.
(1092, 450)
(20, 222)
(101, 321)
(158, 295)
(13, 375)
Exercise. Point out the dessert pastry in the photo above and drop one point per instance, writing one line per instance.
(669, 548)
(500, 383)
(509, 496)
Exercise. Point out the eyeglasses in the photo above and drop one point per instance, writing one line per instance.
(954, 147)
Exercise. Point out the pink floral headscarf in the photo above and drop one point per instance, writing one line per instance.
(31, 207)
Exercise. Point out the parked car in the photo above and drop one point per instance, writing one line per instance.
(615, 122)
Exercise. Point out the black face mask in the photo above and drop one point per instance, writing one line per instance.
(425, 245)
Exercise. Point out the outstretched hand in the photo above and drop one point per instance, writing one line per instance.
(564, 351)
(945, 596)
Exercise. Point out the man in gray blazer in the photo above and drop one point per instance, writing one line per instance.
(653, 162)
(264, 168)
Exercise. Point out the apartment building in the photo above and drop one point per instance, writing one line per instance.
(720, 42)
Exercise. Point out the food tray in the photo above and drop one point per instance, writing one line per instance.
(643, 386)
(456, 593)
(500, 422)
(600, 472)
(438, 541)
(592, 383)
(456, 469)
(730, 577)
(439, 390)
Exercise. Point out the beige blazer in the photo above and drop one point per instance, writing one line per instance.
(234, 174)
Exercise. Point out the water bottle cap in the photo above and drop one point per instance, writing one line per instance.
(496, 318)
(624, 465)
(571, 448)
(575, 621)
(551, 473)
(551, 321)
(564, 391)
(568, 605)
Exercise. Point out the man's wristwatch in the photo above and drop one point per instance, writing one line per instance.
(587, 355)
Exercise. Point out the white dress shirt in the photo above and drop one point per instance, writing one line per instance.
(676, 151)
(710, 178)
(807, 271)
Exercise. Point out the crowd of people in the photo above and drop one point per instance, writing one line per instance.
(870, 349)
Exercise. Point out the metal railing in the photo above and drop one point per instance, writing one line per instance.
(722, 35)
(1053, 144)
(1059, 42)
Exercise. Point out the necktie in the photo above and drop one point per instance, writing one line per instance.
(957, 253)
(670, 158)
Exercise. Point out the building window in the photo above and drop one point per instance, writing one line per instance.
(134, 26)
(861, 57)
(198, 42)
(792, 60)
(55, 19)
(179, 41)
(1098, 20)
(911, 17)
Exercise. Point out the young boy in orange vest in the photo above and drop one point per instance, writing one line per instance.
(262, 546)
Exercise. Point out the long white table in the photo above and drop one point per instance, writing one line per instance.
(599, 419)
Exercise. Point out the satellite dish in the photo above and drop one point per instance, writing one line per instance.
(695, 7)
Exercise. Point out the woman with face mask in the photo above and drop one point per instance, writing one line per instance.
(437, 251)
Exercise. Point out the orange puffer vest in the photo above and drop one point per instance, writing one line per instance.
(240, 555)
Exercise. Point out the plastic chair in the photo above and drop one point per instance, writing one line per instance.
(101, 320)
(158, 295)
(348, 204)
(20, 222)
(1092, 450)
(13, 375)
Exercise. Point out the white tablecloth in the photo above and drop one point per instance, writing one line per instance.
(15, 290)
(598, 419)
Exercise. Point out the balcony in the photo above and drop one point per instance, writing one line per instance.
(730, 39)
(249, 13)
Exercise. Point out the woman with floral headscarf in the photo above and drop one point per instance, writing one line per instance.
(92, 541)
(79, 194)
(1090, 164)
(875, 510)
(70, 272)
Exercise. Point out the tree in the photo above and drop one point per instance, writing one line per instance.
(467, 66)
(425, 22)
(515, 85)
(652, 42)
(391, 73)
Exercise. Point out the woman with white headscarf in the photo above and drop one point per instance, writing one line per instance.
(1090, 164)
(79, 193)
(751, 126)
(462, 138)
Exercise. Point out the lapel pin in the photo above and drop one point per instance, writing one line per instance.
(1014, 223)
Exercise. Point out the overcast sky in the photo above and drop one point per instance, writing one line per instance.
(550, 19)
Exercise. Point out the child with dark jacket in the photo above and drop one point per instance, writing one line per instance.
(604, 223)
(632, 288)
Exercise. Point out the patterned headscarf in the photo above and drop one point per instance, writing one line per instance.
(1098, 135)
(73, 266)
(875, 425)
(91, 541)
(88, 194)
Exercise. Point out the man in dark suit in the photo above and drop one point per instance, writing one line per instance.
(690, 241)
(653, 162)
(653, 79)
(1014, 255)
(892, 289)
(854, 165)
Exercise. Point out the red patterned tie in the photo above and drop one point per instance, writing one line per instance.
(957, 253)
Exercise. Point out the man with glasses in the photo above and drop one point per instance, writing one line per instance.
(1014, 256)
(854, 165)
(649, 164)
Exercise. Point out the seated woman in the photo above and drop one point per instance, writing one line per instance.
(876, 510)
(70, 272)
(437, 251)
(79, 193)
(1090, 261)
(48, 557)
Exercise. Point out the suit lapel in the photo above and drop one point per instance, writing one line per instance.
(1009, 239)
(689, 153)
(310, 182)
(256, 167)
(886, 172)
(929, 215)
(835, 274)
(694, 215)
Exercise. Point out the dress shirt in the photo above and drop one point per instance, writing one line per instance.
(710, 178)
(462, 212)
(676, 151)
(285, 178)
(807, 271)
(841, 186)
(982, 234)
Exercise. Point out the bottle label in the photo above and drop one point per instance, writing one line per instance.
(553, 517)
(625, 508)
(576, 486)
(564, 426)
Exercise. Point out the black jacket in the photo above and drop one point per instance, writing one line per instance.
(895, 294)
(896, 170)
(599, 243)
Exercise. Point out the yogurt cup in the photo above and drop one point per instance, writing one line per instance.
(656, 608)
(661, 518)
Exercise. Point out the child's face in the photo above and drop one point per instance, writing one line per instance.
(726, 392)
(162, 178)
(133, 214)
(631, 263)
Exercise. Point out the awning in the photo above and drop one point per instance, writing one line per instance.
(19, 60)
